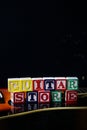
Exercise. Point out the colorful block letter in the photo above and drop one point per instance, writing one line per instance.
(38, 84)
(49, 83)
(70, 96)
(43, 96)
(26, 84)
(60, 83)
(17, 97)
(56, 96)
(72, 83)
(31, 97)
(14, 85)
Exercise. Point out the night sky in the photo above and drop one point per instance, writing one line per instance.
(40, 39)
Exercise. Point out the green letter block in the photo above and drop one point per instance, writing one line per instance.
(56, 96)
(72, 83)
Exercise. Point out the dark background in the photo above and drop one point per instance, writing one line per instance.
(45, 120)
(42, 38)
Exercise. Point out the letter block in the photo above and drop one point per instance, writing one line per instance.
(14, 85)
(26, 84)
(31, 97)
(56, 96)
(71, 96)
(49, 83)
(72, 83)
(44, 96)
(43, 90)
(18, 97)
(60, 83)
(38, 84)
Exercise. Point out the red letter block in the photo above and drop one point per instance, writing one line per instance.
(60, 83)
(70, 96)
(18, 97)
(44, 96)
(38, 84)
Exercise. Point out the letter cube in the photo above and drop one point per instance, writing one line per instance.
(38, 84)
(31, 96)
(43, 96)
(56, 96)
(17, 97)
(49, 83)
(26, 84)
(71, 96)
(60, 83)
(14, 85)
(72, 83)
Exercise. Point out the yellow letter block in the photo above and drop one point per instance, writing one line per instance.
(14, 85)
(26, 84)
